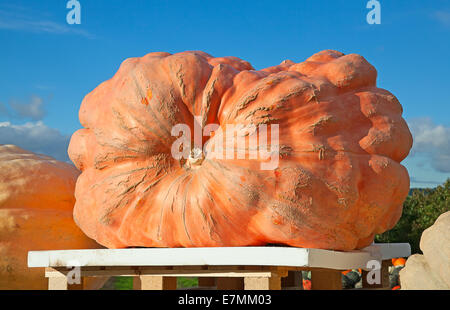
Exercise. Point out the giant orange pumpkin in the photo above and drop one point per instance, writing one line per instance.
(36, 206)
(338, 180)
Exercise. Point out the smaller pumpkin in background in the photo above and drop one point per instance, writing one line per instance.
(36, 206)
(306, 284)
(394, 278)
(398, 261)
(350, 278)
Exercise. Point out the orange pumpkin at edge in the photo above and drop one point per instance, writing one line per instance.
(36, 214)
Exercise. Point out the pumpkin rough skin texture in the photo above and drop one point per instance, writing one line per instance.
(36, 207)
(339, 180)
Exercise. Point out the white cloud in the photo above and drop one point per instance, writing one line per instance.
(433, 141)
(36, 137)
(32, 109)
(443, 17)
(428, 182)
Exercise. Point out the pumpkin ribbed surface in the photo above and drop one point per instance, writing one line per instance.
(338, 179)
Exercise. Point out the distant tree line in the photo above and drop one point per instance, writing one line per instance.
(420, 210)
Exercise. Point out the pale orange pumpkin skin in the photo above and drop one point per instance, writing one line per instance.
(339, 180)
(36, 207)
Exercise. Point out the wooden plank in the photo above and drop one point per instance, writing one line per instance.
(227, 283)
(309, 269)
(55, 272)
(292, 281)
(259, 268)
(151, 282)
(224, 256)
(166, 273)
(207, 282)
(281, 271)
(272, 282)
(392, 250)
(156, 283)
(263, 283)
(384, 276)
(75, 286)
(137, 283)
(94, 283)
(57, 283)
(326, 280)
(60, 279)
(339, 260)
(189, 268)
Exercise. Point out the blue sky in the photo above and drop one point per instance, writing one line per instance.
(47, 66)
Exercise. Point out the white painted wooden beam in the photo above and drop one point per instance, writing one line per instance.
(219, 256)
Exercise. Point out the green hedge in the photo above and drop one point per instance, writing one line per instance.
(420, 210)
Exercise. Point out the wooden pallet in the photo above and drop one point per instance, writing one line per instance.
(249, 268)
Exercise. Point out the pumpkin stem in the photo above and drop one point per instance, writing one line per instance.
(196, 157)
